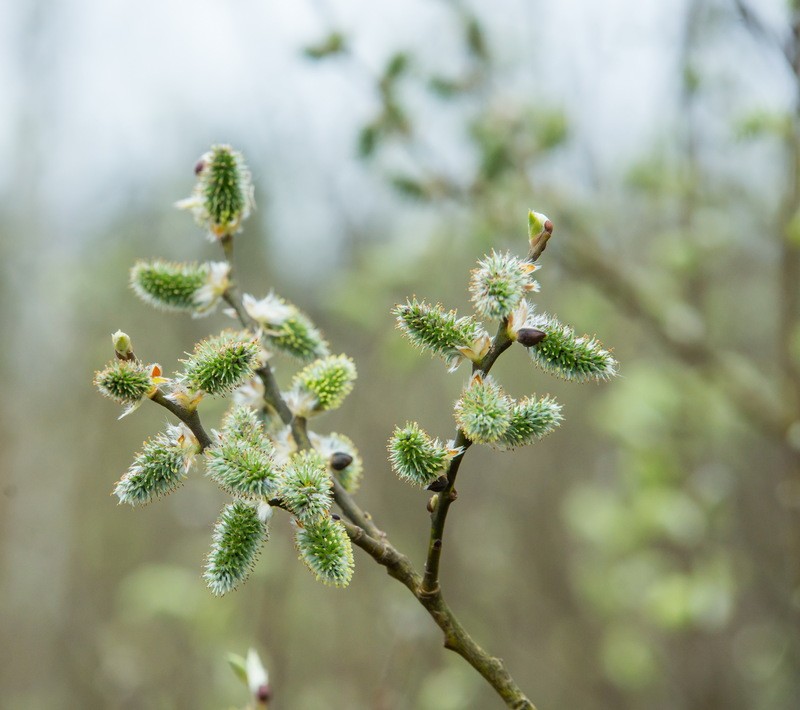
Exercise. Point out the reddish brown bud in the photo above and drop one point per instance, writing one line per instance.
(438, 485)
(199, 167)
(530, 336)
(340, 461)
(548, 226)
(264, 693)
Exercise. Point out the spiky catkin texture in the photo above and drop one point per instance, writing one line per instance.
(499, 284)
(329, 380)
(169, 286)
(124, 381)
(415, 457)
(223, 196)
(220, 364)
(243, 468)
(326, 550)
(298, 338)
(566, 355)
(305, 486)
(237, 539)
(433, 328)
(483, 412)
(159, 468)
(242, 422)
(530, 419)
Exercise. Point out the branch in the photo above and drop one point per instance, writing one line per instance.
(430, 582)
(189, 418)
(456, 638)
(366, 535)
(759, 30)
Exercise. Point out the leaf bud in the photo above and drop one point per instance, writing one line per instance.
(340, 461)
(123, 348)
(344, 460)
(530, 336)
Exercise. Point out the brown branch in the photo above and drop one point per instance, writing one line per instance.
(456, 638)
(366, 535)
(430, 582)
(190, 418)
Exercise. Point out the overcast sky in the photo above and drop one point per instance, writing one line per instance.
(106, 102)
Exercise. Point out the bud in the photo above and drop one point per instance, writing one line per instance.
(565, 355)
(538, 223)
(499, 284)
(123, 348)
(329, 380)
(172, 286)
(417, 458)
(484, 411)
(236, 542)
(433, 328)
(159, 468)
(220, 364)
(438, 485)
(257, 677)
(326, 550)
(340, 461)
(223, 195)
(305, 486)
(342, 456)
(529, 337)
(531, 419)
(432, 503)
(243, 468)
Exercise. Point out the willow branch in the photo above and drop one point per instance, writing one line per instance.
(445, 497)
(456, 638)
(190, 418)
(363, 532)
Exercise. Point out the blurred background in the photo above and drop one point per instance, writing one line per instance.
(644, 556)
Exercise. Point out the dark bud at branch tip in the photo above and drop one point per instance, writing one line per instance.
(264, 693)
(199, 167)
(335, 517)
(530, 336)
(340, 461)
(548, 226)
(438, 485)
